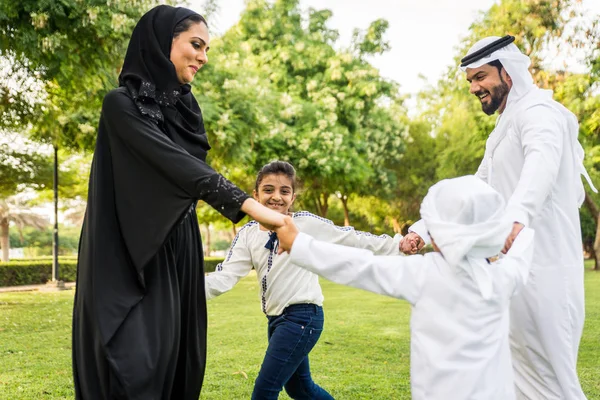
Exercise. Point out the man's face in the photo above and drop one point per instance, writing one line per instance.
(490, 86)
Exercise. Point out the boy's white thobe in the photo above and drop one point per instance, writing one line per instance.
(459, 342)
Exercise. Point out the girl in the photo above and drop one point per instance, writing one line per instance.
(291, 297)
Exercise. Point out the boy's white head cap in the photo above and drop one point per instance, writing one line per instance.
(465, 217)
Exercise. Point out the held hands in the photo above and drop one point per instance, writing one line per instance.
(265, 216)
(286, 235)
(517, 227)
(411, 243)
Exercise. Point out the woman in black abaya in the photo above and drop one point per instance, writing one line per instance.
(139, 320)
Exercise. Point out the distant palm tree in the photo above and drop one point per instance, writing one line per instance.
(75, 212)
(16, 211)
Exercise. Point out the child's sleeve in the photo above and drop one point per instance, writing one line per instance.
(236, 265)
(517, 262)
(325, 230)
(395, 276)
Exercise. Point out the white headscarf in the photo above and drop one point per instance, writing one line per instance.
(465, 218)
(515, 63)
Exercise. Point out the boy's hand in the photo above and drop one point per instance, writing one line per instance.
(411, 243)
(517, 227)
(286, 235)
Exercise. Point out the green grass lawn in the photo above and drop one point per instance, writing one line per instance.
(363, 352)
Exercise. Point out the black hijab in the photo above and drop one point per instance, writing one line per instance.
(151, 79)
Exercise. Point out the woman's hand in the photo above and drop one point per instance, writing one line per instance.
(265, 216)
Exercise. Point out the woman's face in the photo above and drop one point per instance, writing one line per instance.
(188, 51)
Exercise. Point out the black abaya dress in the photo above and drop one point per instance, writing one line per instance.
(139, 320)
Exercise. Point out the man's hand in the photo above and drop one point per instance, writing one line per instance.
(286, 235)
(411, 243)
(517, 227)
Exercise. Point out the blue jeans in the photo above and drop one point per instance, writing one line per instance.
(292, 335)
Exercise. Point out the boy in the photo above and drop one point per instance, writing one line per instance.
(459, 322)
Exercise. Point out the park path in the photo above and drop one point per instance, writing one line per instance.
(31, 288)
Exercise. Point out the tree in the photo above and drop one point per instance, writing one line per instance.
(456, 119)
(461, 128)
(416, 172)
(23, 168)
(278, 89)
(73, 50)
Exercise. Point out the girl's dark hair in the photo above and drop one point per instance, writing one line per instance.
(186, 23)
(277, 167)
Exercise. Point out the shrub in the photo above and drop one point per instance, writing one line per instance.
(210, 263)
(14, 273)
(39, 271)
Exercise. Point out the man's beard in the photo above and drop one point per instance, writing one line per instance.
(497, 95)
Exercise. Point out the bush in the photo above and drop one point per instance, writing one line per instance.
(210, 263)
(45, 258)
(39, 271)
(14, 273)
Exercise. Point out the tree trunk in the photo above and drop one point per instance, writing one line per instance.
(396, 225)
(207, 248)
(596, 214)
(4, 239)
(321, 202)
(344, 200)
(597, 245)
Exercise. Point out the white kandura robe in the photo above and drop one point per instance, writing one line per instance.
(530, 158)
(459, 341)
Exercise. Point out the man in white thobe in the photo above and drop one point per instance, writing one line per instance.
(533, 158)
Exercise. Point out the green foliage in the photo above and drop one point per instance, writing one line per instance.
(73, 170)
(38, 270)
(416, 171)
(74, 49)
(454, 115)
(20, 169)
(372, 41)
(278, 89)
(221, 245)
(534, 23)
(579, 93)
(14, 273)
(210, 263)
(588, 229)
(41, 239)
(46, 258)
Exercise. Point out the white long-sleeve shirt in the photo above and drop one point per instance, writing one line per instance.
(459, 342)
(281, 282)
